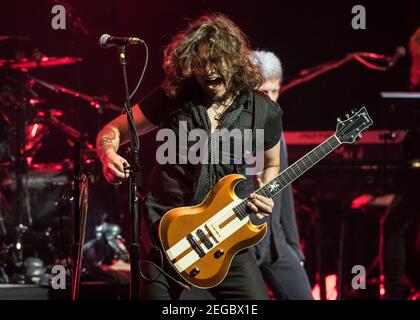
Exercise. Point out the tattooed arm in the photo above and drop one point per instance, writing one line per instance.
(111, 137)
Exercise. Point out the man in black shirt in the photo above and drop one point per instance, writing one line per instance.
(209, 85)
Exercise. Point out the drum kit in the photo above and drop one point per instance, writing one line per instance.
(35, 198)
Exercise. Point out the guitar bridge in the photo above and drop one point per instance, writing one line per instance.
(195, 245)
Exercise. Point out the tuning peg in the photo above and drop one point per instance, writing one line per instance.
(360, 136)
(353, 111)
(347, 115)
(338, 119)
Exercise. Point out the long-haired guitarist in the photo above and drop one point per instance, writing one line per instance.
(209, 86)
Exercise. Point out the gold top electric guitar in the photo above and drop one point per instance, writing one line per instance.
(200, 241)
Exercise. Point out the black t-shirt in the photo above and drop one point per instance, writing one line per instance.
(172, 184)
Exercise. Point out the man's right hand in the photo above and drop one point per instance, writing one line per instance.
(113, 167)
(111, 137)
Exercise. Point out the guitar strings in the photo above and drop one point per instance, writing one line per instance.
(226, 216)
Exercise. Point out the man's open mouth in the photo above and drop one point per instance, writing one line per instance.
(214, 81)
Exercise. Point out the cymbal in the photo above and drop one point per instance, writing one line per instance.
(50, 112)
(42, 62)
(4, 62)
(5, 37)
(34, 101)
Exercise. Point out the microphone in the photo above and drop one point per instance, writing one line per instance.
(106, 41)
(399, 53)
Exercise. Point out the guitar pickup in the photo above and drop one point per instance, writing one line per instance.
(214, 231)
(195, 245)
(204, 239)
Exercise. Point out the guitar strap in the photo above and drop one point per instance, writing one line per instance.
(259, 113)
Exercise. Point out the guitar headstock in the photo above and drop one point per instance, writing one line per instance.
(349, 130)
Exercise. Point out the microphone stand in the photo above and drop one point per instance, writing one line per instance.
(313, 72)
(135, 186)
(79, 221)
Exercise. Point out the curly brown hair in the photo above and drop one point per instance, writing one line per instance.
(228, 51)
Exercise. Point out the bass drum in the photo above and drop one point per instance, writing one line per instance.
(46, 183)
(50, 196)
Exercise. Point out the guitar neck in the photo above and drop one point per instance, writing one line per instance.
(298, 168)
(293, 172)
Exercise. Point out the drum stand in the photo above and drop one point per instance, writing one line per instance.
(23, 208)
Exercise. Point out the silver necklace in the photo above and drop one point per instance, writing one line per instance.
(218, 115)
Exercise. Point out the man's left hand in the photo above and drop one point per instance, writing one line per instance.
(260, 205)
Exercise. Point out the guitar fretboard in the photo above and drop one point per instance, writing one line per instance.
(291, 173)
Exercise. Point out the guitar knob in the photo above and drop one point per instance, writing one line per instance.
(195, 271)
(219, 253)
